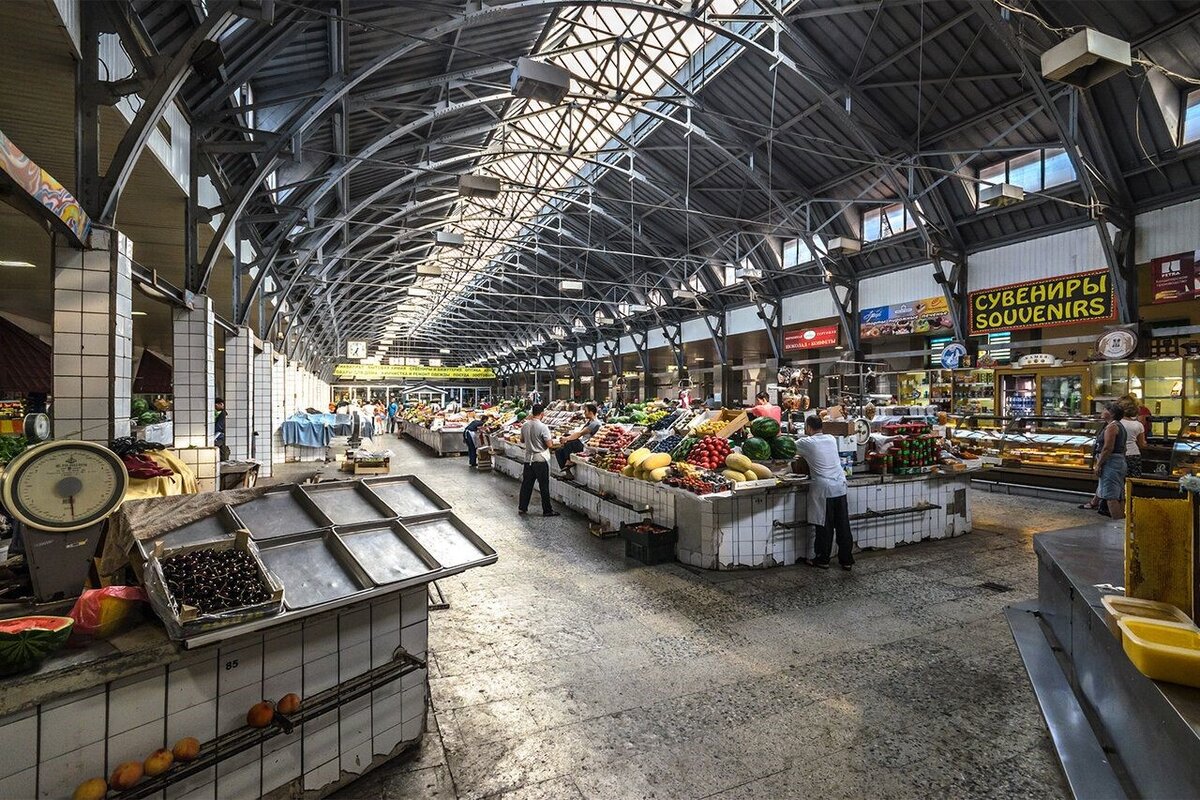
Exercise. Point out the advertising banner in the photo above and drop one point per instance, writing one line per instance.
(809, 338)
(930, 315)
(1045, 303)
(376, 372)
(1175, 278)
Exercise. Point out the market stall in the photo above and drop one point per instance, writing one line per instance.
(285, 653)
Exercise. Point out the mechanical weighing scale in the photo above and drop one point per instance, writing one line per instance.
(59, 493)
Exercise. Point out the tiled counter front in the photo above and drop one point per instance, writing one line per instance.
(47, 750)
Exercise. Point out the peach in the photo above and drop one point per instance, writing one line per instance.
(288, 704)
(158, 762)
(186, 749)
(125, 776)
(260, 715)
(91, 789)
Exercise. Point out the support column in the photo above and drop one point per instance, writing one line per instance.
(195, 391)
(279, 404)
(263, 440)
(239, 394)
(93, 338)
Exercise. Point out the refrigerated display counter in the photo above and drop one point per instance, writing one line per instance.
(1039, 451)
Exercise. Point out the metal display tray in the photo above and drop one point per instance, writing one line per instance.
(389, 554)
(406, 495)
(450, 541)
(314, 568)
(218, 527)
(282, 511)
(347, 502)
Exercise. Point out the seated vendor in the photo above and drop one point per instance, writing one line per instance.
(575, 441)
(763, 407)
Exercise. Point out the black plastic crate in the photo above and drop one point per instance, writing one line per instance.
(655, 546)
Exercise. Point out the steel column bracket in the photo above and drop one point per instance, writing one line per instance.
(641, 340)
(845, 303)
(716, 330)
(770, 311)
(674, 335)
(954, 289)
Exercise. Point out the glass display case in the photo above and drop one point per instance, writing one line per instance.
(1161, 387)
(1061, 394)
(1185, 454)
(913, 388)
(1018, 394)
(1110, 380)
(1049, 442)
(980, 435)
(964, 392)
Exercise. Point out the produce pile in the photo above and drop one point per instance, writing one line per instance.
(11, 447)
(710, 428)
(646, 465)
(214, 580)
(695, 480)
(666, 445)
(738, 468)
(640, 414)
(143, 414)
(709, 452)
(681, 451)
(612, 437)
(664, 422)
(766, 443)
(610, 462)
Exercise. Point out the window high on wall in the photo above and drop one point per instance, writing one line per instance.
(1032, 171)
(795, 252)
(882, 222)
(1191, 118)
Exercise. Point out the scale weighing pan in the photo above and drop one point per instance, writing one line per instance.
(347, 502)
(280, 512)
(214, 528)
(388, 553)
(406, 495)
(315, 568)
(448, 539)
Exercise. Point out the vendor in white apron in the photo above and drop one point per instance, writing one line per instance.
(827, 507)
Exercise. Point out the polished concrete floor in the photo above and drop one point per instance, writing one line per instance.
(565, 671)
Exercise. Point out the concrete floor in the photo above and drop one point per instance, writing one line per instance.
(565, 671)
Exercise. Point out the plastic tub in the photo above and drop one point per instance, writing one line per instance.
(1163, 651)
(1120, 607)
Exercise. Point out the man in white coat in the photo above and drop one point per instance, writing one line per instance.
(827, 508)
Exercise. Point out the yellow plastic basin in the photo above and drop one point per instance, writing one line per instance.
(1121, 607)
(1164, 651)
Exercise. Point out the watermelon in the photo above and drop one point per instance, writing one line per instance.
(756, 449)
(26, 641)
(783, 448)
(764, 428)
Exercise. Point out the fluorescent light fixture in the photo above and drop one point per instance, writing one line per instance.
(536, 80)
(844, 245)
(634, 308)
(444, 351)
(220, 349)
(449, 238)
(747, 273)
(570, 286)
(478, 186)
(417, 291)
(18, 264)
(604, 319)
(435, 362)
(137, 313)
(429, 271)
(683, 294)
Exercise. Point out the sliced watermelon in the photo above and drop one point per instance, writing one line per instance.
(26, 641)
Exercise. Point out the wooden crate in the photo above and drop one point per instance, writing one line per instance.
(734, 422)
(360, 469)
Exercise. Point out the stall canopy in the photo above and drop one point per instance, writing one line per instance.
(24, 361)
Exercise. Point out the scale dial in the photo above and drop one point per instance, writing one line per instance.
(862, 431)
(36, 428)
(64, 485)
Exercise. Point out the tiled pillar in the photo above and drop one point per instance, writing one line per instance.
(195, 392)
(280, 409)
(239, 395)
(264, 408)
(93, 338)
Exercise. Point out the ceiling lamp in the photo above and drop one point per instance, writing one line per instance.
(844, 246)
(636, 308)
(478, 186)
(445, 351)
(747, 273)
(417, 291)
(536, 80)
(683, 294)
(604, 319)
(1085, 59)
(570, 286)
(449, 239)
(1000, 195)
(435, 362)
(429, 271)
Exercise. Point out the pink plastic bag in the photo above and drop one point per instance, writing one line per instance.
(100, 613)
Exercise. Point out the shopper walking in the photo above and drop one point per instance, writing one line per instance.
(538, 440)
(827, 506)
(575, 441)
(392, 410)
(1110, 467)
(472, 444)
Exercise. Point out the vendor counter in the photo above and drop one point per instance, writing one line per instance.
(441, 442)
(764, 527)
(86, 711)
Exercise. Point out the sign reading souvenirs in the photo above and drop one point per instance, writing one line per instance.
(1175, 278)
(1082, 297)
(809, 338)
(920, 316)
(375, 372)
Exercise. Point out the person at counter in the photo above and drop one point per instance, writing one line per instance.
(827, 506)
(574, 442)
(1111, 467)
(537, 440)
(469, 439)
(763, 407)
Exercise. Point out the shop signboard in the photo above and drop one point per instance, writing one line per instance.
(929, 315)
(1175, 278)
(810, 338)
(377, 372)
(1044, 303)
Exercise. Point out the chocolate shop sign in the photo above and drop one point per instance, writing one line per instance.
(1066, 300)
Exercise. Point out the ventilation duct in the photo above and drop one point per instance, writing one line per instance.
(449, 238)
(843, 245)
(478, 186)
(536, 80)
(1085, 59)
(1000, 195)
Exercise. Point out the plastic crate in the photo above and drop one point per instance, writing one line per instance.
(653, 547)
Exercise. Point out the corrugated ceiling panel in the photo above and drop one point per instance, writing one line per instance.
(914, 283)
(1059, 254)
(807, 307)
(1170, 230)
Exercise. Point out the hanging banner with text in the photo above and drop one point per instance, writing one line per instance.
(810, 338)
(930, 315)
(377, 372)
(1067, 300)
(1175, 278)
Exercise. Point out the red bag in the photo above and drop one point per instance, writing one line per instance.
(100, 613)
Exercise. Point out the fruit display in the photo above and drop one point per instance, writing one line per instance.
(710, 428)
(764, 428)
(288, 704)
(666, 445)
(260, 714)
(214, 580)
(709, 452)
(91, 789)
(26, 641)
(610, 462)
(695, 480)
(158, 762)
(664, 422)
(684, 448)
(612, 437)
(783, 448)
(186, 749)
(756, 449)
(125, 776)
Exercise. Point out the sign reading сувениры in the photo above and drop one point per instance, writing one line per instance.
(1082, 297)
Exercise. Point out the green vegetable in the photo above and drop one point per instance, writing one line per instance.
(11, 447)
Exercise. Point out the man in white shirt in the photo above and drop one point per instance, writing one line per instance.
(537, 439)
(827, 508)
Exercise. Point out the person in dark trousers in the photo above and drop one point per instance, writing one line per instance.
(537, 439)
(827, 507)
(219, 428)
(392, 410)
(574, 442)
(469, 438)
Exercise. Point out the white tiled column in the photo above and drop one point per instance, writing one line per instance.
(239, 394)
(279, 404)
(195, 392)
(264, 408)
(93, 338)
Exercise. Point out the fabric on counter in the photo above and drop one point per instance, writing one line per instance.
(307, 430)
(183, 481)
(160, 433)
(145, 518)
